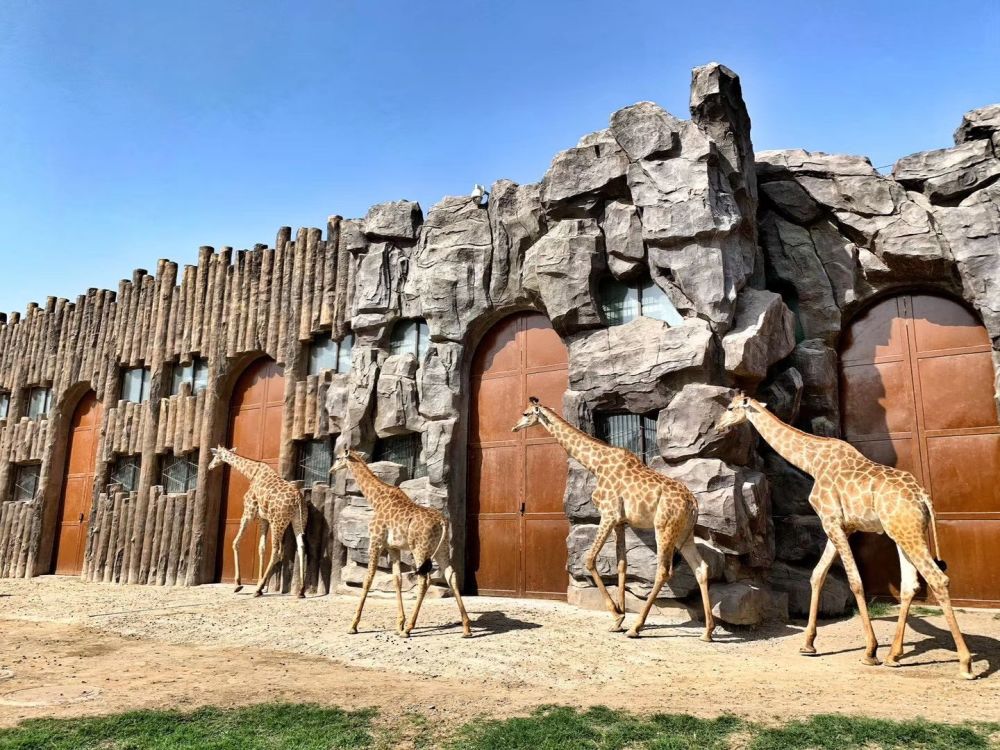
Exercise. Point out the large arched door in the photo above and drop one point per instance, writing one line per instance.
(78, 486)
(255, 418)
(917, 393)
(517, 525)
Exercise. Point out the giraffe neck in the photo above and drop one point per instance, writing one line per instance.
(795, 446)
(583, 447)
(368, 482)
(246, 466)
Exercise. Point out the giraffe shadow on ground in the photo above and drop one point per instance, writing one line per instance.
(487, 623)
(724, 634)
(982, 647)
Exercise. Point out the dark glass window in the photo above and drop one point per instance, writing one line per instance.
(125, 472)
(314, 461)
(637, 432)
(39, 402)
(410, 336)
(622, 303)
(179, 473)
(135, 385)
(325, 353)
(403, 450)
(26, 480)
(194, 373)
(4, 404)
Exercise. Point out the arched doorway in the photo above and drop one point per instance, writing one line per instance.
(516, 522)
(78, 486)
(917, 393)
(255, 418)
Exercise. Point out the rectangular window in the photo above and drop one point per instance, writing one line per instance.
(325, 353)
(314, 461)
(135, 385)
(656, 304)
(410, 336)
(619, 302)
(39, 402)
(636, 432)
(403, 450)
(4, 404)
(26, 480)
(179, 473)
(194, 373)
(125, 472)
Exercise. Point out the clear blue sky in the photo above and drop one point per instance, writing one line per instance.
(131, 131)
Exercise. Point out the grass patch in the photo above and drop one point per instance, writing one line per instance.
(921, 611)
(878, 608)
(273, 727)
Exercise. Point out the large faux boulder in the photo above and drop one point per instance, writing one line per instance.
(817, 363)
(623, 240)
(394, 220)
(396, 410)
(835, 598)
(763, 332)
(783, 394)
(911, 246)
(423, 493)
(516, 222)
(437, 440)
(387, 471)
(979, 123)
(641, 365)
(949, 173)
(439, 378)
(645, 129)
(740, 603)
(686, 427)
(799, 538)
(578, 175)
(791, 200)
(790, 487)
(580, 486)
(350, 398)
(561, 270)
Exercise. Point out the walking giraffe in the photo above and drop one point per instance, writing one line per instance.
(277, 503)
(853, 493)
(400, 524)
(629, 492)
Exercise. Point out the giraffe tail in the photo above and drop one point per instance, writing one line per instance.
(428, 564)
(926, 498)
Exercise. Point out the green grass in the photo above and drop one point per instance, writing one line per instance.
(877, 608)
(921, 611)
(271, 727)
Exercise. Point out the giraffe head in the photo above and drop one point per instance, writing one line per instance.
(736, 412)
(343, 460)
(220, 456)
(531, 416)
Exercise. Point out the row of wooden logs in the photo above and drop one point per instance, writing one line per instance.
(15, 532)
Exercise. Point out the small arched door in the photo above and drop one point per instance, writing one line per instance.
(256, 414)
(78, 486)
(917, 393)
(516, 522)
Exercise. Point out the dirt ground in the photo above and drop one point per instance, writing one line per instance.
(69, 648)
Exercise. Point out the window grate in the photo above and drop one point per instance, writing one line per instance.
(179, 473)
(410, 336)
(39, 402)
(325, 353)
(635, 432)
(314, 461)
(403, 450)
(125, 472)
(622, 303)
(26, 482)
(135, 385)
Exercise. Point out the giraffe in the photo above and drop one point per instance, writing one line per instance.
(629, 492)
(400, 524)
(852, 493)
(277, 503)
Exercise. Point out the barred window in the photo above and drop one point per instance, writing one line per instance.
(26, 480)
(4, 404)
(39, 402)
(125, 472)
(315, 457)
(135, 385)
(194, 373)
(326, 353)
(636, 432)
(622, 303)
(410, 335)
(179, 473)
(403, 450)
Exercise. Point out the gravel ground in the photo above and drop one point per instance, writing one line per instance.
(69, 648)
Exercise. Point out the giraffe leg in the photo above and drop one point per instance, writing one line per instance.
(691, 555)
(622, 554)
(591, 563)
(816, 581)
(908, 587)
(397, 579)
(936, 579)
(262, 544)
(300, 543)
(444, 565)
(425, 580)
(244, 521)
(665, 546)
(839, 539)
(374, 550)
(276, 555)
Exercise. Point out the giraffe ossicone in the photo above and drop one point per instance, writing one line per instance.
(853, 493)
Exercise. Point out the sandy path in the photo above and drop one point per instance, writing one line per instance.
(75, 648)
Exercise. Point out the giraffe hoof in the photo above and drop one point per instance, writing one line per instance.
(967, 676)
(870, 661)
(302, 595)
(890, 661)
(632, 633)
(706, 638)
(404, 634)
(238, 589)
(617, 627)
(352, 631)
(466, 633)
(808, 650)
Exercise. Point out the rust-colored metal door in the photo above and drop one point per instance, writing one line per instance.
(917, 393)
(517, 524)
(78, 486)
(255, 419)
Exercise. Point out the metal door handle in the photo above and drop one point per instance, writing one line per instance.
(81, 518)
(522, 509)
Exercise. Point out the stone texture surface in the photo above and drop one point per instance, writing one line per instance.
(835, 598)
(762, 334)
